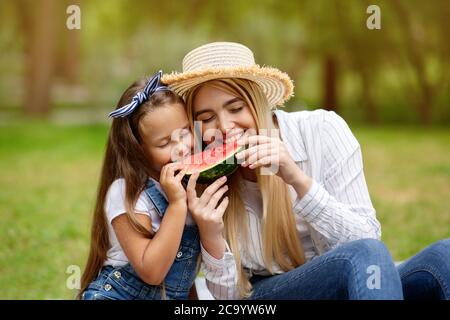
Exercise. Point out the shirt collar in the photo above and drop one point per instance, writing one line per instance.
(291, 136)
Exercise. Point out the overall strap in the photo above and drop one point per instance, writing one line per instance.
(156, 197)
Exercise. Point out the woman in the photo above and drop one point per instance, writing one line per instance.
(309, 231)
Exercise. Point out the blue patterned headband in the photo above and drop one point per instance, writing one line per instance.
(152, 86)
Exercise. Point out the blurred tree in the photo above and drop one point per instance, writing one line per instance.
(361, 50)
(330, 74)
(39, 29)
(291, 19)
(68, 52)
(416, 57)
(322, 44)
(414, 23)
(321, 23)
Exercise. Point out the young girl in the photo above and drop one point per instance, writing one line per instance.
(136, 253)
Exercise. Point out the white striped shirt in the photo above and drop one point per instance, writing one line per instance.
(336, 209)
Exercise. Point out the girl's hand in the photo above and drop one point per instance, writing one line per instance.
(205, 210)
(271, 153)
(171, 183)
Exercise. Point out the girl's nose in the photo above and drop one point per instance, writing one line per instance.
(180, 152)
(188, 144)
(190, 141)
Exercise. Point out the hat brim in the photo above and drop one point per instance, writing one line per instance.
(275, 84)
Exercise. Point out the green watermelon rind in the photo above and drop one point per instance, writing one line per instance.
(213, 172)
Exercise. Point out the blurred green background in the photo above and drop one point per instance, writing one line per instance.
(57, 86)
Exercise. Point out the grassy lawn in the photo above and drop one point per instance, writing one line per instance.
(49, 173)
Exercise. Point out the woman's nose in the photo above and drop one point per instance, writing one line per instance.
(225, 124)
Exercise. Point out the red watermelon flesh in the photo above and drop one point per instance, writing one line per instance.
(214, 162)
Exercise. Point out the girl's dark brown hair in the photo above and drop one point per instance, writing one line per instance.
(124, 158)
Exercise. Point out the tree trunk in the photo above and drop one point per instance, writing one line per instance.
(425, 102)
(69, 55)
(71, 52)
(371, 110)
(40, 38)
(330, 83)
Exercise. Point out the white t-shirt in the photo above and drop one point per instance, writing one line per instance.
(115, 206)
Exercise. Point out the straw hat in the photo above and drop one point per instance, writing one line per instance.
(229, 60)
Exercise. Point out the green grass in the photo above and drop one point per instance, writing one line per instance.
(48, 178)
(408, 174)
(49, 174)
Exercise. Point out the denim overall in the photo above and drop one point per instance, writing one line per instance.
(123, 283)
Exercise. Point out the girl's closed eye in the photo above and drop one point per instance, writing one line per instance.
(164, 144)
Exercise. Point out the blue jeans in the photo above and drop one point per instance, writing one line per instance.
(120, 283)
(361, 270)
(427, 274)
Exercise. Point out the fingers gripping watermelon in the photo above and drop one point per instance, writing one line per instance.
(213, 163)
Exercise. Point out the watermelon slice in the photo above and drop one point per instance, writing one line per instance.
(213, 163)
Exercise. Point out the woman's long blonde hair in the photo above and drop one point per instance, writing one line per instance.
(279, 234)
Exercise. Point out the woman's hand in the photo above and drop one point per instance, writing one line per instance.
(271, 153)
(206, 210)
(171, 182)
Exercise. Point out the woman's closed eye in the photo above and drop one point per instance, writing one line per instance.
(236, 110)
(206, 119)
